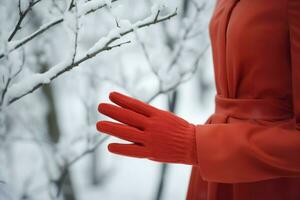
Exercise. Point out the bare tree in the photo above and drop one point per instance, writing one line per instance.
(20, 76)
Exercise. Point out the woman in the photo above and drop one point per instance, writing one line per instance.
(250, 147)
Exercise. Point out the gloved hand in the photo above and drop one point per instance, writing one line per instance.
(155, 134)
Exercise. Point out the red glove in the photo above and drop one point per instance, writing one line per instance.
(155, 134)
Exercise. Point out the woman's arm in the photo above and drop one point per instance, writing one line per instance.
(245, 152)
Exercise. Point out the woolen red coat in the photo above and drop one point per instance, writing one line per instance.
(250, 147)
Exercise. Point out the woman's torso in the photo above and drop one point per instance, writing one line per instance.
(251, 54)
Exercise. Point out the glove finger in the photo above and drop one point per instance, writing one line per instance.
(132, 150)
(121, 131)
(132, 104)
(123, 115)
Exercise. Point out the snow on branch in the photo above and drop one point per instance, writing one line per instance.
(92, 6)
(86, 10)
(171, 76)
(184, 77)
(22, 15)
(33, 82)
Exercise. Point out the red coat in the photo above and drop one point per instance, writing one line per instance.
(250, 147)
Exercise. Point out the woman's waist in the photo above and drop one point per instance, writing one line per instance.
(271, 109)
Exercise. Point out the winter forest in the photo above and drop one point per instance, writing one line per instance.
(60, 58)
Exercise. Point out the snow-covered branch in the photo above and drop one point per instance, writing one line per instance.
(55, 126)
(35, 81)
(184, 77)
(22, 15)
(10, 78)
(185, 36)
(86, 10)
(164, 73)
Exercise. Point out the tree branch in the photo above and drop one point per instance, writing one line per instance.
(11, 78)
(182, 75)
(59, 182)
(35, 81)
(22, 15)
(188, 30)
(97, 8)
(76, 30)
(17, 44)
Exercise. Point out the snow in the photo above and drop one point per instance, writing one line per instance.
(31, 82)
(26, 85)
(102, 43)
(12, 45)
(125, 25)
(92, 5)
(70, 20)
(29, 165)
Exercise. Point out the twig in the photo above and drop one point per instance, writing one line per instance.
(157, 15)
(76, 30)
(61, 68)
(72, 5)
(38, 32)
(187, 31)
(99, 7)
(147, 56)
(44, 28)
(182, 80)
(4, 91)
(10, 78)
(22, 15)
(59, 182)
(21, 65)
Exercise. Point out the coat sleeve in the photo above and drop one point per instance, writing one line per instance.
(247, 151)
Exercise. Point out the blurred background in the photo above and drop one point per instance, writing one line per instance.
(60, 58)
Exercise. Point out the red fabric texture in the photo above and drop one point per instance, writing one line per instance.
(249, 149)
(154, 134)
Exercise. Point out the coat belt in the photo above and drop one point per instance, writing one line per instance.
(251, 109)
